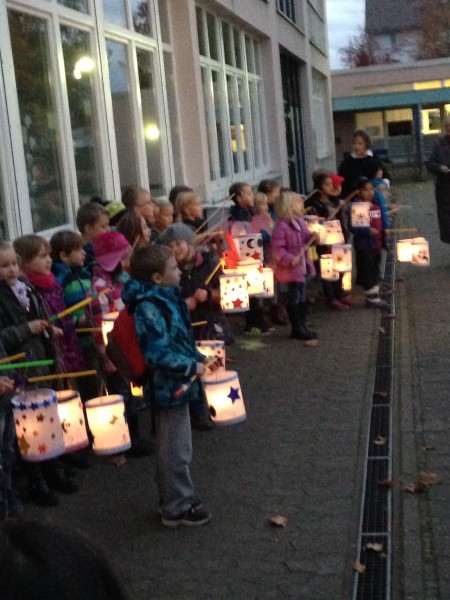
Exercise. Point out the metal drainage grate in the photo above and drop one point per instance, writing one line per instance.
(376, 502)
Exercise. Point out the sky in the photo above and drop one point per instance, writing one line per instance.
(344, 19)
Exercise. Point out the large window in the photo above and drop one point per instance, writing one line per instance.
(288, 9)
(321, 116)
(233, 97)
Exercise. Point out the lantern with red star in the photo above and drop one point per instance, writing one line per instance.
(250, 247)
(108, 424)
(213, 349)
(38, 426)
(224, 397)
(233, 292)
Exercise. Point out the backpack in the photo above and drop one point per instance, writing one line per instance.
(123, 348)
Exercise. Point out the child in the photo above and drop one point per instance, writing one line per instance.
(92, 219)
(271, 188)
(322, 204)
(136, 199)
(134, 228)
(368, 242)
(189, 210)
(165, 215)
(34, 253)
(359, 163)
(291, 263)
(262, 222)
(171, 351)
(175, 191)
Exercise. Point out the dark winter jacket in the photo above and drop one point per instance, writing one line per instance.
(362, 240)
(5, 399)
(352, 168)
(440, 156)
(169, 349)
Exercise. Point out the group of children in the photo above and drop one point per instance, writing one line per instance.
(145, 261)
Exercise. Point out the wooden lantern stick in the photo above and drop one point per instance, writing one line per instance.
(62, 376)
(72, 309)
(214, 213)
(12, 358)
(183, 388)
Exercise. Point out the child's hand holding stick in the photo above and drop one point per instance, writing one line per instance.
(200, 371)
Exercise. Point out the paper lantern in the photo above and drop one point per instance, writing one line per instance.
(327, 271)
(252, 269)
(268, 284)
(233, 292)
(71, 415)
(38, 428)
(342, 257)
(360, 214)
(420, 252)
(107, 324)
(313, 223)
(331, 233)
(404, 250)
(347, 281)
(213, 348)
(224, 396)
(250, 246)
(108, 425)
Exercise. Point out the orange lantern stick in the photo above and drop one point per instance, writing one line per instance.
(184, 388)
(71, 309)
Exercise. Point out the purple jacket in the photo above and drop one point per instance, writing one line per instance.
(287, 242)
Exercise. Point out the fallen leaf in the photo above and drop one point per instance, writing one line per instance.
(380, 440)
(428, 478)
(311, 343)
(385, 483)
(416, 487)
(374, 546)
(380, 394)
(277, 521)
(358, 567)
(428, 448)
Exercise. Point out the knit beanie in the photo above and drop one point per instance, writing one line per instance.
(178, 231)
(109, 248)
(115, 211)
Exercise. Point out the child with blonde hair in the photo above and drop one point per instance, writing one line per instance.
(292, 266)
(164, 217)
(189, 210)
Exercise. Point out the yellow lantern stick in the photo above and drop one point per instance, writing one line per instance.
(12, 358)
(72, 309)
(219, 265)
(183, 388)
(62, 376)
(198, 323)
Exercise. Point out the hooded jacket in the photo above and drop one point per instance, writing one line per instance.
(169, 350)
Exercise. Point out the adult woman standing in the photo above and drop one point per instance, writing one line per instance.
(439, 164)
(360, 162)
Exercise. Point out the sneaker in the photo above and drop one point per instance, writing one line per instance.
(257, 331)
(338, 305)
(191, 518)
(197, 504)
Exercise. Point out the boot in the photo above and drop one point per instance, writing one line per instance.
(305, 332)
(295, 322)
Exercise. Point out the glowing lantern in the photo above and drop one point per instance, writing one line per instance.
(137, 391)
(233, 292)
(342, 257)
(404, 250)
(331, 233)
(71, 415)
(327, 271)
(224, 396)
(250, 246)
(213, 348)
(107, 423)
(312, 223)
(347, 281)
(252, 269)
(268, 285)
(360, 214)
(38, 428)
(107, 324)
(420, 252)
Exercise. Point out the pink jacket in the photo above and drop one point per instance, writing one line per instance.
(288, 239)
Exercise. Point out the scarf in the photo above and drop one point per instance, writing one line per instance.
(40, 280)
(20, 291)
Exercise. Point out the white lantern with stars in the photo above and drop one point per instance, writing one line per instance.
(233, 292)
(71, 415)
(224, 396)
(108, 425)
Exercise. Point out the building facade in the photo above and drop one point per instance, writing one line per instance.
(99, 95)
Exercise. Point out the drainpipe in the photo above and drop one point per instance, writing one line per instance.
(418, 137)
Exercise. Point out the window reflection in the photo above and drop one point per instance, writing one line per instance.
(140, 10)
(80, 5)
(114, 11)
(3, 220)
(29, 39)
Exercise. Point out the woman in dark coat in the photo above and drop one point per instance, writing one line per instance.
(358, 163)
(439, 164)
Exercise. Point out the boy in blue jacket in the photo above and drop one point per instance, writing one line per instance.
(166, 340)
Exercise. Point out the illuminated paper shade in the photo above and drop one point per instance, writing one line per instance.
(360, 214)
(420, 252)
(213, 348)
(107, 423)
(268, 284)
(71, 415)
(331, 233)
(107, 324)
(233, 292)
(137, 391)
(38, 428)
(327, 271)
(404, 251)
(347, 281)
(252, 269)
(224, 396)
(250, 246)
(342, 257)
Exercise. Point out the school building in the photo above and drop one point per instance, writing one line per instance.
(401, 106)
(99, 95)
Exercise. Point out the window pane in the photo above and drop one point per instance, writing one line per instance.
(243, 125)
(79, 66)
(234, 125)
(173, 116)
(237, 49)
(262, 124)
(150, 121)
(200, 32)
(213, 47)
(80, 5)
(211, 144)
(123, 121)
(140, 9)
(4, 235)
(227, 43)
(114, 11)
(250, 55)
(164, 21)
(256, 124)
(29, 39)
(220, 127)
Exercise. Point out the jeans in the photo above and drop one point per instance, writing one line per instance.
(296, 293)
(7, 436)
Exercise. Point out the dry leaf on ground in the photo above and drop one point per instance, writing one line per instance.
(277, 521)
(358, 567)
(385, 483)
(428, 478)
(374, 546)
(311, 343)
(380, 440)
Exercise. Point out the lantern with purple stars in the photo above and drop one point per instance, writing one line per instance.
(108, 425)
(213, 349)
(224, 397)
(71, 415)
(233, 292)
(38, 427)
(250, 247)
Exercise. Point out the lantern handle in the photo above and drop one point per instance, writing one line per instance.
(184, 388)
